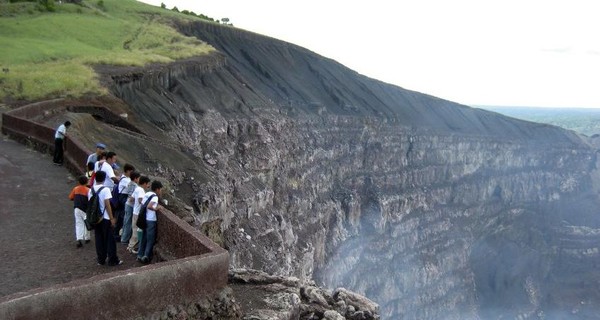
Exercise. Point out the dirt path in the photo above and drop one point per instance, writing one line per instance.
(37, 233)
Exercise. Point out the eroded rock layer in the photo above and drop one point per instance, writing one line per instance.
(432, 209)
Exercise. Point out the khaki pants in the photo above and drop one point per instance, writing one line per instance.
(81, 233)
(133, 242)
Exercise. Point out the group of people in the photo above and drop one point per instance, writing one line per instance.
(120, 200)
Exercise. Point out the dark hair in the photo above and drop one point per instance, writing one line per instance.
(67, 123)
(100, 176)
(128, 167)
(156, 185)
(134, 175)
(83, 180)
(144, 179)
(90, 166)
(102, 155)
(110, 154)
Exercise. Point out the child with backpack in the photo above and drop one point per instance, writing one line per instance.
(134, 177)
(136, 200)
(149, 232)
(119, 197)
(79, 196)
(106, 246)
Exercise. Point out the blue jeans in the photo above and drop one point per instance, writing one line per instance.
(126, 235)
(147, 241)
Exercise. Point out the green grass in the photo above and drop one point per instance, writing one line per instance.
(51, 54)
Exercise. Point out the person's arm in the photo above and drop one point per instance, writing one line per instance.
(72, 194)
(113, 220)
(153, 205)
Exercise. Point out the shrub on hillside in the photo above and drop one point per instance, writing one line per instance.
(47, 5)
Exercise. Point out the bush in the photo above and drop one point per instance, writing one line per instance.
(47, 5)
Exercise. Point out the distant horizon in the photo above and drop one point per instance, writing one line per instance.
(533, 107)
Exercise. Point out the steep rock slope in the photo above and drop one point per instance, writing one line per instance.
(432, 209)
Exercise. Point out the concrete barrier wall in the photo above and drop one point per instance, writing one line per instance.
(200, 268)
(123, 294)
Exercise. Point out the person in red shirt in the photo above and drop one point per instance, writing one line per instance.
(79, 196)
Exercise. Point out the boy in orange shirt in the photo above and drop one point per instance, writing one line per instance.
(79, 196)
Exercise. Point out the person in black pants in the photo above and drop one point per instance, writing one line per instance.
(106, 247)
(59, 143)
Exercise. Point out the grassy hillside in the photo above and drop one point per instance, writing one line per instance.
(50, 54)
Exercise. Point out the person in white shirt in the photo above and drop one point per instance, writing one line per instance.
(149, 234)
(59, 143)
(106, 246)
(136, 200)
(120, 206)
(106, 166)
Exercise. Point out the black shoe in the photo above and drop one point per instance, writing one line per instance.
(118, 263)
(79, 244)
(145, 260)
(87, 241)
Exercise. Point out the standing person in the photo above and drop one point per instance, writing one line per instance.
(106, 166)
(119, 208)
(105, 242)
(79, 196)
(149, 234)
(94, 157)
(134, 178)
(59, 143)
(136, 199)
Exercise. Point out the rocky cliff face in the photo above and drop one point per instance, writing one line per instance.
(432, 209)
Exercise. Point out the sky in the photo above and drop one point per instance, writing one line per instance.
(475, 52)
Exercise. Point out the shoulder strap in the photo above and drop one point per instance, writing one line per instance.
(148, 200)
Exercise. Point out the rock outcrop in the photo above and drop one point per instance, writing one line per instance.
(301, 167)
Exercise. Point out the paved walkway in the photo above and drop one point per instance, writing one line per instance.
(37, 233)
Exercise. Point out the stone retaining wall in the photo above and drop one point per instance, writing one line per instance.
(200, 267)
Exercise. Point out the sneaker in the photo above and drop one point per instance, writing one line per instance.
(79, 244)
(138, 259)
(145, 260)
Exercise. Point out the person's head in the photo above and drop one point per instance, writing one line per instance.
(156, 187)
(144, 182)
(111, 157)
(100, 147)
(102, 156)
(100, 177)
(67, 123)
(135, 177)
(128, 169)
(90, 166)
(82, 180)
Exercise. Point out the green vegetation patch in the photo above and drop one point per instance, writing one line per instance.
(50, 54)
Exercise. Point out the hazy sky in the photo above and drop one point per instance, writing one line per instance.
(476, 52)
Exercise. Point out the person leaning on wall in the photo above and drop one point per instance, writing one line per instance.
(59, 143)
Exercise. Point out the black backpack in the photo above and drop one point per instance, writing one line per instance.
(141, 221)
(93, 215)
